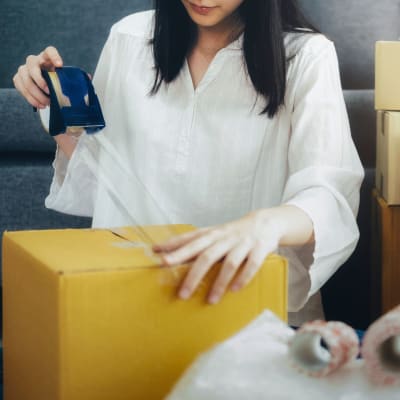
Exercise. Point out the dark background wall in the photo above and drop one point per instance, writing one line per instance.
(77, 28)
(355, 26)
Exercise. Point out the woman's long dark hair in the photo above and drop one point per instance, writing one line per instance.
(265, 22)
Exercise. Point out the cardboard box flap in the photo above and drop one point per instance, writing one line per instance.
(56, 248)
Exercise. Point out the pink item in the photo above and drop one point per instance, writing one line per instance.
(321, 347)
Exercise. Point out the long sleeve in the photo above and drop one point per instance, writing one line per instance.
(325, 174)
(73, 188)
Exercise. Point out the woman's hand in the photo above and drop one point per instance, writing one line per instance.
(29, 81)
(247, 241)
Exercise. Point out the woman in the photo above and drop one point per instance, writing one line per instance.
(226, 114)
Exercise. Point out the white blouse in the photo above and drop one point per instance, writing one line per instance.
(206, 156)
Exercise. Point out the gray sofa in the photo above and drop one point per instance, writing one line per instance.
(79, 30)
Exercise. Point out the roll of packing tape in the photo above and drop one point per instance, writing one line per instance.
(381, 349)
(319, 347)
(74, 105)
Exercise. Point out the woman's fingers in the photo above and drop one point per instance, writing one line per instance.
(51, 57)
(33, 66)
(192, 248)
(31, 88)
(178, 241)
(236, 242)
(19, 85)
(230, 266)
(203, 264)
(29, 80)
(254, 261)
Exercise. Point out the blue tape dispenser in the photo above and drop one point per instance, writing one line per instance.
(73, 103)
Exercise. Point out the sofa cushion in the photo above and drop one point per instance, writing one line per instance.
(25, 181)
(21, 129)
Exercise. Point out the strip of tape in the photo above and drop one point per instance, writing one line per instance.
(381, 349)
(319, 347)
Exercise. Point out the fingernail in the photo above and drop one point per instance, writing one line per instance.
(184, 294)
(235, 287)
(213, 299)
(46, 89)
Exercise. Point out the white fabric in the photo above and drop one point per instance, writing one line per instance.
(254, 364)
(207, 156)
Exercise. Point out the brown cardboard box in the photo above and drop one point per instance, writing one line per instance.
(387, 178)
(91, 315)
(387, 76)
(386, 256)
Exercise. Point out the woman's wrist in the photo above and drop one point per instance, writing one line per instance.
(66, 144)
(289, 223)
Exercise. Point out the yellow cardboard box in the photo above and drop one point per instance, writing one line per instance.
(387, 178)
(88, 315)
(387, 76)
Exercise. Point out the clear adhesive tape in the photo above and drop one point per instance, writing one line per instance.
(381, 349)
(319, 348)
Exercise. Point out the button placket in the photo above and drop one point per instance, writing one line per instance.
(183, 147)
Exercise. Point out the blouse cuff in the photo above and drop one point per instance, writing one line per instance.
(335, 238)
(71, 189)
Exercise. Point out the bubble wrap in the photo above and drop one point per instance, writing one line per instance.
(254, 364)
